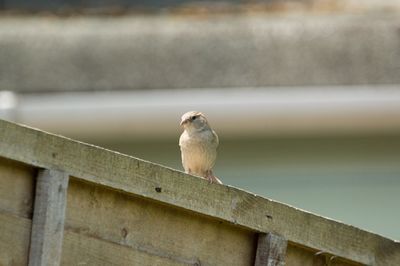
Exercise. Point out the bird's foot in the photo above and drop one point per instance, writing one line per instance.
(212, 178)
(209, 178)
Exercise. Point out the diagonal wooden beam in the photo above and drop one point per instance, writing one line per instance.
(151, 181)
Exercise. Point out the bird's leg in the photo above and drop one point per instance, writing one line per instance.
(208, 176)
(212, 178)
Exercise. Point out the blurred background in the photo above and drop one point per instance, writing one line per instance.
(304, 94)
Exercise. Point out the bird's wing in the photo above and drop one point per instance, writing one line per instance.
(181, 139)
(215, 139)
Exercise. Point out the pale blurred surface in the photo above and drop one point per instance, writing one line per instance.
(221, 51)
(305, 95)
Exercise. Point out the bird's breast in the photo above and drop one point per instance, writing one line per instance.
(198, 154)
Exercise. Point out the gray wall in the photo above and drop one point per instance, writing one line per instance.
(188, 52)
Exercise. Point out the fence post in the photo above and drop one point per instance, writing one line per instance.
(48, 218)
(271, 250)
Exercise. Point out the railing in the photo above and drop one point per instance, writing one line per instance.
(94, 206)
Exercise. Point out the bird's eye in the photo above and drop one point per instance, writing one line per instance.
(193, 118)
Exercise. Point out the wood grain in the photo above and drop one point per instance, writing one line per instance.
(16, 188)
(155, 229)
(14, 239)
(48, 218)
(299, 256)
(140, 178)
(86, 250)
(271, 250)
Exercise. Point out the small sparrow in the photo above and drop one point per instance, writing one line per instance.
(198, 144)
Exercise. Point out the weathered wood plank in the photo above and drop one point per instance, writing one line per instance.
(14, 239)
(16, 188)
(48, 218)
(298, 256)
(156, 229)
(141, 178)
(271, 250)
(79, 249)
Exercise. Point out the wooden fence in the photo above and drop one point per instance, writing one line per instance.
(70, 203)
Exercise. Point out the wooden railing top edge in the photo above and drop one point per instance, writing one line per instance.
(145, 179)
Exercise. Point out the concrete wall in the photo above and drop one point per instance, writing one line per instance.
(47, 53)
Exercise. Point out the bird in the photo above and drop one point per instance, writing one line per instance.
(198, 144)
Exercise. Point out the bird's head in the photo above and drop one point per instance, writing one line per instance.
(194, 121)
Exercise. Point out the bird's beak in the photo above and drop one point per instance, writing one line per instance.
(184, 121)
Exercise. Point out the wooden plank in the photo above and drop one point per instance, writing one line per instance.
(298, 256)
(16, 188)
(80, 249)
(271, 250)
(156, 229)
(48, 218)
(14, 239)
(141, 178)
